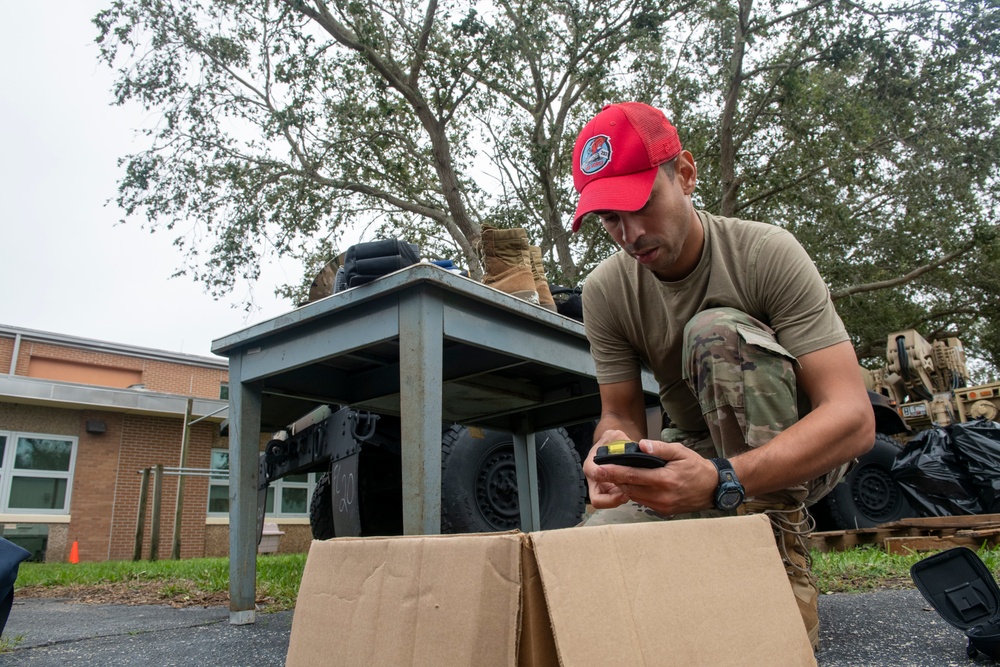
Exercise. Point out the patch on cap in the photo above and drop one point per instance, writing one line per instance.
(596, 154)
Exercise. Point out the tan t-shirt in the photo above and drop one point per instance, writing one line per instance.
(632, 317)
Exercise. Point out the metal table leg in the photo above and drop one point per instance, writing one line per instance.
(527, 477)
(421, 321)
(244, 439)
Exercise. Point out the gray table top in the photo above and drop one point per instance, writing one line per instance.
(501, 356)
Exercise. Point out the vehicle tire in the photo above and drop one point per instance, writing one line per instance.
(380, 493)
(321, 509)
(868, 496)
(479, 481)
(582, 436)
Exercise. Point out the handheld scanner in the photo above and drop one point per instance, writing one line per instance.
(626, 453)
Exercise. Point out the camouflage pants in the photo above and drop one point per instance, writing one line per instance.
(745, 383)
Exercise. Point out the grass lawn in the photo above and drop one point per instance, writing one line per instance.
(205, 581)
(869, 568)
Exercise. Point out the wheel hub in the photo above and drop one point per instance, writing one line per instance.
(496, 491)
(875, 493)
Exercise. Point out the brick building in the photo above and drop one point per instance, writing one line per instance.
(79, 420)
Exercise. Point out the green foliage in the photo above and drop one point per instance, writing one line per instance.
(868, 131)
(871, 136)
(862, 569)
(9, 643)
(283, 123)
(279, 577)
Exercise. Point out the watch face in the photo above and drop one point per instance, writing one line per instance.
(730, 499)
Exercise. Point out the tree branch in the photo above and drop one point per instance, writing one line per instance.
(822, 167)
(902, 280)
(420, 49)
(784, 17)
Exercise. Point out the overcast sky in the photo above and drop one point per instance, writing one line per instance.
(67, 266)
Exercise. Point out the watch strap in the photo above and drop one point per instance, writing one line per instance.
(723, 464)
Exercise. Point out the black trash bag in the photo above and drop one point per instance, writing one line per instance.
(364, 262)
(978, 444)
(934, 477)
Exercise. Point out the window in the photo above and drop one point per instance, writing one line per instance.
(218, 487)
(36, 473)
(224, 391)
(287, 497)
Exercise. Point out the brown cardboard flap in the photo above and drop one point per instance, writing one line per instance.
(697, 592)
(536, 647)
(409, 601)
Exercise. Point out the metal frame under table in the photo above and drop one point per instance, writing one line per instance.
(422, 343)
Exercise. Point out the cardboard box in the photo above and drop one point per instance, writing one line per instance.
(698, 592)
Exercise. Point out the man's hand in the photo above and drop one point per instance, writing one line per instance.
(686, 484)
(603, 495)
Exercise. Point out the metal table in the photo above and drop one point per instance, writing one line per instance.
(421, 343)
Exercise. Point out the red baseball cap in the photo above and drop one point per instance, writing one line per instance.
(616, 157)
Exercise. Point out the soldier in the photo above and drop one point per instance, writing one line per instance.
(758, 380)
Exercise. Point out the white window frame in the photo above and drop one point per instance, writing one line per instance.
(278, 486)
(8, 472)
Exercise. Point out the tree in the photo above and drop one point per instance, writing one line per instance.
(869, 133)
(283, 122)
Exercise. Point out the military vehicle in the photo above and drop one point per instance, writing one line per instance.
(930, 382)
(923, 384)
(359, 490)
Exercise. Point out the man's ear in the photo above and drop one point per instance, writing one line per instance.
(687, 171)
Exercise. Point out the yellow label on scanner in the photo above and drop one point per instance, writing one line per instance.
(617, 447)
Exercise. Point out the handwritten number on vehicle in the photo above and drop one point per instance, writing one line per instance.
(344, 489)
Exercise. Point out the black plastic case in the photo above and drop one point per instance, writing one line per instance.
(961, 588)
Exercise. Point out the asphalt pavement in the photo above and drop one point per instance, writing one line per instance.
(895, 628)
(59, 632)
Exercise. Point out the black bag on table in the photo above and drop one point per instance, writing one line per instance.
(364, 262)
(569, 301)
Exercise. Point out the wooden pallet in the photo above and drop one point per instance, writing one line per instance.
(915, 535)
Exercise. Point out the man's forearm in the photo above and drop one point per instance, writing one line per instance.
(612, 422)
(622, 409)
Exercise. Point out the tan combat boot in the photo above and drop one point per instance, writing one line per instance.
(791, 526)
(541, 282)
(507, 262)
(322, 284)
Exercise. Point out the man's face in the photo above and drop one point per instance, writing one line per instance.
(659, 235)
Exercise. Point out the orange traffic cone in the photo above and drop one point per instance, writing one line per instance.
(74, 552)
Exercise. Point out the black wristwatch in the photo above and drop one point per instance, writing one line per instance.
(729, 494)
